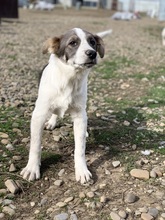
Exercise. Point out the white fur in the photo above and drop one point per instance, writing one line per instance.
(163, 37)
(63, 88)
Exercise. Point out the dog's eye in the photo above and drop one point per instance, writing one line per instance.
(92, 42)
(73, 43)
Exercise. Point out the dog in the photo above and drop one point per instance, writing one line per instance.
(63, 89)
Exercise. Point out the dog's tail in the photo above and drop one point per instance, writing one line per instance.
(104, 33)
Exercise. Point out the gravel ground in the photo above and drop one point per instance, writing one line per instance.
(127, 183)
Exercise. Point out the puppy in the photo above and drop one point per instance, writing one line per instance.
(63, 88)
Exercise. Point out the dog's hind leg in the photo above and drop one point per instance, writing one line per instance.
(32, 169)
(50, 125)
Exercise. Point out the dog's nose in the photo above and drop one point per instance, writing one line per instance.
(91, 54)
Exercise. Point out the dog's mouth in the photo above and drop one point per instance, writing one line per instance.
(88, 64)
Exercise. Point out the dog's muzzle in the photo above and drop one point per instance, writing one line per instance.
(91, 58)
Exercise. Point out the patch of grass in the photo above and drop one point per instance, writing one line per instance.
(154, 30)
(109, 68)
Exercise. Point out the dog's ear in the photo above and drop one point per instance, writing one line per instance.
(100, 46)
(51, 45)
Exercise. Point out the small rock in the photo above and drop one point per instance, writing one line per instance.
(103, 199)
(7, 202)
(116, 163)
(82, 195)
(25, 140)
(140, 174)
(153, 174)
(143, 209)
(4, 135)
(12, 186)
(153, 212)
(62, 216)
(122, 214)
(73, 217)
(102, 185)
(61, 204)
(58, 182)
(126, 123)
(130, 198)
(10, 147)
(3, 191)
(158, 171)
(36, 212)
(12, 168)
(69, 199)
(32, 204)
(114, 216)
(90, 194)
(146, 216)
(57, 138)
(8, 210)
(44, 201)
(61, 172)
(2, 216)
(4, 141)
(163, 215)
(17, 158)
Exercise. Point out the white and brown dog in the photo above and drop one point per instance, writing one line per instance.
(63, 88)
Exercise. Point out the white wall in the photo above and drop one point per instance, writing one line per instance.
(146, 5)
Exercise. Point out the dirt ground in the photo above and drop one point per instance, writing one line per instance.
(135, 57)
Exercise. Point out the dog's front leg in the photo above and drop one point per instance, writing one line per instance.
(32, 169)
(80, 127)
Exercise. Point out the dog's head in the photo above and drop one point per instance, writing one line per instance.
(77, 47)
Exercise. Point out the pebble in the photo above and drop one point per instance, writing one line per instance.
(73, 216)
(61, 172)
(130, 198)
(140, 174)
(62, 216)
(8, 210)
(82, 195)
(12, 168)
(10, 147)
(103, 199)
(114, 216)
(44, 201)
(153, 174)
(146, 216)
(122, 214)
(3, 135)
(32, 204)
(61, 204)
(7, 202)
(153, 212)
(163, 215)
(25, 140)
(2, 215)
(90, 194)
(58, 182)
(4, 141)
(12, 186)
(116, 164)
(3, 191)
(69, 199)
(17, 158)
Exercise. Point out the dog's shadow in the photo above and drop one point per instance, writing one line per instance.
(114, 135)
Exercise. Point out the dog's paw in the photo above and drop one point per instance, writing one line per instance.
(83, 174)
(51, 124)
(31, 172)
